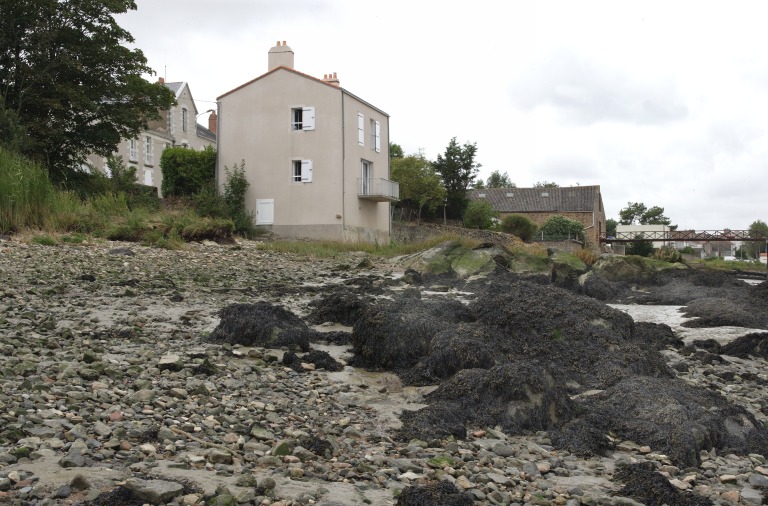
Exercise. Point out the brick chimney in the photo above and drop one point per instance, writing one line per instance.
(331, 79)
(280, 56)
(160, 80)
(213, 121)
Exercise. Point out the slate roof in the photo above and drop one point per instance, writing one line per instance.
(205, 133)
(533, 200)
(175, 87)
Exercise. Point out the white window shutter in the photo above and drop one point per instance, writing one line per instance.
(378, 137)
(306, 171)
(361, 129)
(308, 118)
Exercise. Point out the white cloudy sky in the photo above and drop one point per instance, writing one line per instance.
(661, 102)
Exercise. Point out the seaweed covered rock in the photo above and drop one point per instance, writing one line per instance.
(733, 311)
(566, 269)
(342, 307)
(395, 335)
(632, 269)
(464, 346)
(598, 287)
(521, 397)
(441, 493)
(671, 417)
(318, 359)
(751, 345)
(585, 341)
(644, 484)
(657, 335)
(261, 324)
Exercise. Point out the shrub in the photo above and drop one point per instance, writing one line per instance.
(640, 248)
(518, 225)
(235, 189)
(479, 214)
(186, 171)
(668, 254)
(559, 227)
(587, 256)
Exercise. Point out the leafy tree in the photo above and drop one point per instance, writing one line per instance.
(546, 184)
(499, 180)
(395, 150)
(458, 170)
(637, 213)
(519, 225)
(69, 86)
(560, 227)
(420, 186)
(758, 229)
(610, 227)
(479, 185)
(479, 214)
(186, 171)
(639, 248)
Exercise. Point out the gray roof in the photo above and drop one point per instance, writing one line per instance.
(175, 87)
(205, 133)
(532, 200)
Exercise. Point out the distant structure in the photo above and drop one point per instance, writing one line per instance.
(579, 203)
(177, 126)
(316, 156)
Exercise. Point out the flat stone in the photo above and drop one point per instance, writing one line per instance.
(154, 491)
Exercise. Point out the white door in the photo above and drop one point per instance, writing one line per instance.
(265, 211)
(147, 177)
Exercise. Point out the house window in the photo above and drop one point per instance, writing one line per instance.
(360, 129)
(170, 122)
(133, 150)
(366, 177)
(149, 157)
(301, 171)
(184, 119)
(303, 118)
(376, 136)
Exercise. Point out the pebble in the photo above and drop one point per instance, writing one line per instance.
(108, 385)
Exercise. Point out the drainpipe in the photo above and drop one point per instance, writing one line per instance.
(389, 177)
(218, 150)
(343, 167)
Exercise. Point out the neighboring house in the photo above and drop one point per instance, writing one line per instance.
(646, 232)
(176, 127)
(579, 203)
(316, 156)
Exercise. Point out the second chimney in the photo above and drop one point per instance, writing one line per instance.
(331, 79)
(280, 56)
(213, 121)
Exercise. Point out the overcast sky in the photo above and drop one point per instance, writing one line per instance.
(664, 103)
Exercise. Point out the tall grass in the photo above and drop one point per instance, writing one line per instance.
(28, 199)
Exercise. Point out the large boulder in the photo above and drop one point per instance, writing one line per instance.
(261, 324)
(631, 269)
(456, 260)
(395, 335)
(565, 270)
(670, 416)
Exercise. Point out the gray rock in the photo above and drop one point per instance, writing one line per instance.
(154, 491)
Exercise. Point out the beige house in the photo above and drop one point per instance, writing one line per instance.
(579, 203)
(176, 127)
(316, 156)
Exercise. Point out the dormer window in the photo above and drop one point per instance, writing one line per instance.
(510, 195)
(545, 194)
(481, 195)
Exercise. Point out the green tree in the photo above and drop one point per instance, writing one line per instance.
(758, 229)
(186, 171)
(546, 184)
(559, 227)
(636, 213)
(610, 227)
(479, 214)
(420, 186)
(639, 248)
(458, 170)
(395, 150)
(499, 180)
(69, 86)
(519, 225)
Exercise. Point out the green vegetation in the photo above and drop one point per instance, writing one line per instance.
(458, 170)
(479, 214)
(186, 171)
(69, 84)
(639, 248)
(559, 227)
(636, 213)
(518, 225)
(668, 254)
(499, 180)
(420, 186)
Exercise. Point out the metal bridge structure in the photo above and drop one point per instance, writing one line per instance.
(685, 236)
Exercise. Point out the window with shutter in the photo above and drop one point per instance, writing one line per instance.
(377, 142)
(308, 118)
(296, 171)
(306, 171)
(361, 129)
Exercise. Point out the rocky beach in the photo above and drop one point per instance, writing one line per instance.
(230, 374)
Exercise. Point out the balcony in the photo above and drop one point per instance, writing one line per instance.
(378, 189)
